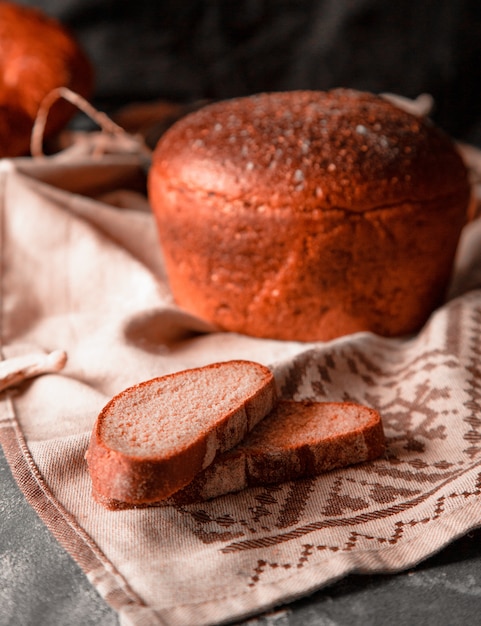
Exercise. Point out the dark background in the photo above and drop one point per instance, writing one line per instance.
(195, 49)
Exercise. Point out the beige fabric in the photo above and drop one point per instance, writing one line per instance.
(81, 271)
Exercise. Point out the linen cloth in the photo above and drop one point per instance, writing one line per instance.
(81, 271)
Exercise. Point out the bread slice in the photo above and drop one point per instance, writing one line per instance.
(296, 440)
(153, 438)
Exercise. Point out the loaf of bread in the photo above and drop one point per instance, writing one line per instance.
(296, 440)
(308, 215)
(152, 439)
(38, 55)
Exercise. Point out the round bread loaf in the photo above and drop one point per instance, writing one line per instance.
(308, 215)
(37, 55)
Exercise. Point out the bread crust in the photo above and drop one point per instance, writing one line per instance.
(288, 445)
(139, 479)
(308, 215)
(38, 55)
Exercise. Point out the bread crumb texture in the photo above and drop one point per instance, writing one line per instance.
(296, 424)
(166, 414)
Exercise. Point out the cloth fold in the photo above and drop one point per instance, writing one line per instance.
(81, 271)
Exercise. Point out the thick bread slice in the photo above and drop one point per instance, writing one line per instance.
(152, 439)
(296, 440)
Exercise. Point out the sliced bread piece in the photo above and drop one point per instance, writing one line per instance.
(153, 438)
(296, 440)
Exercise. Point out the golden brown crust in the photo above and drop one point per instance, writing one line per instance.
(38, 55)
(137, 480)
(308, 215)
(306, 150)
(287, 445)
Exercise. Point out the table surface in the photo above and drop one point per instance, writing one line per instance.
(41, 585)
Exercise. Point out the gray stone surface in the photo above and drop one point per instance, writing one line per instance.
(40, 585)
